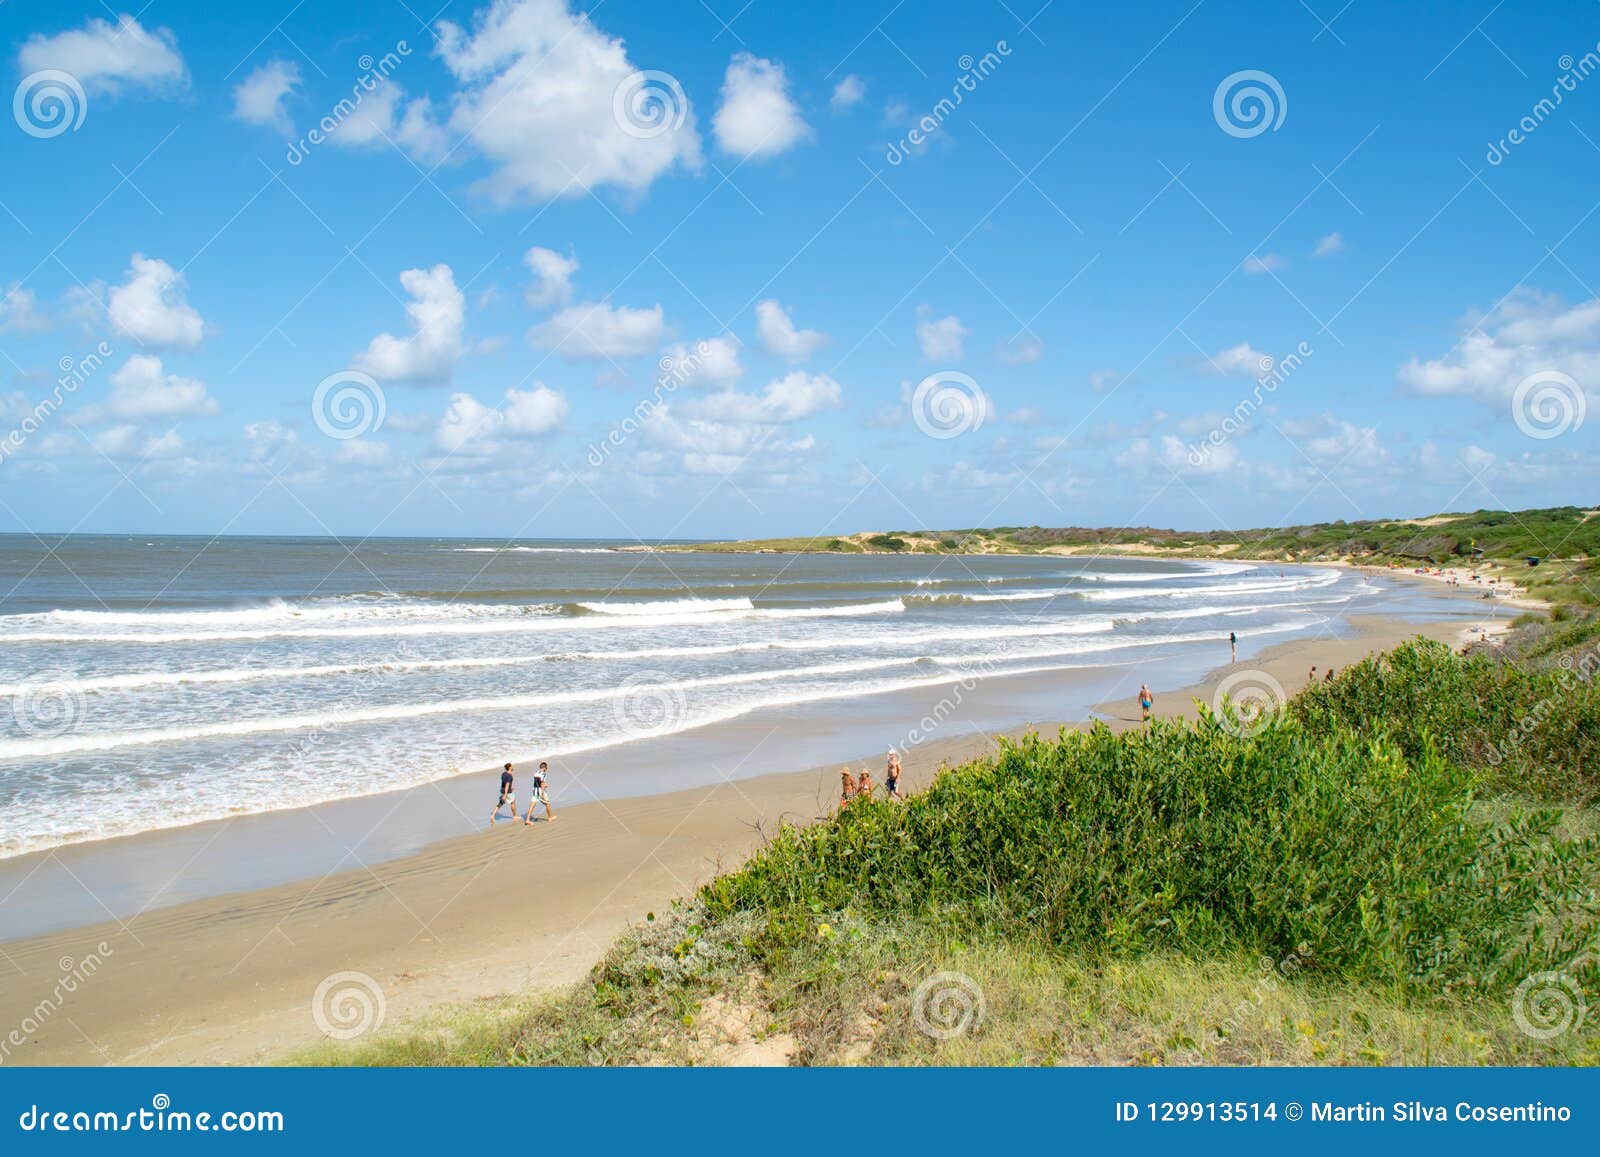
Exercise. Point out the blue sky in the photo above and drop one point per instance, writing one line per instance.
(371, 269)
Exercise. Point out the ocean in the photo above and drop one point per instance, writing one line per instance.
(157, 682)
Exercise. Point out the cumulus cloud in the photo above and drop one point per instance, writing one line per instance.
(556, 107)
(472, 430)
(779, 335)
(141, 388)
(1333, 441)
(150, 307)
(552, 273)
(1170, 453)
(848, 93)
(1022, 350)
(1329, 245)
(1243, 360)
(712, 362)
(385, 118)
(595, 330)
(107, 58)
(19, 310)
(1262, 263)
(787, 399)
(437, 312)
(942, 339)
(758, 119)
(129, 443)
(258, 98)
(1528, 333)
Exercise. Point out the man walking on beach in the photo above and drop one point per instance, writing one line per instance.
(1233, 646)
(541, 794)
(508, 794)
(1146, 701)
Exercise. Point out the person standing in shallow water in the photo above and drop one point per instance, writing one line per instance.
(1146, 701)
(1233, 646)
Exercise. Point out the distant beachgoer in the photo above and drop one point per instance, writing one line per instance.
(864, 784)
(508, 794)
(1233, 646)
(847, 786)
(541, 794)
(1313, 675)
(1328, 678)
(891, 777)
(1146, 701)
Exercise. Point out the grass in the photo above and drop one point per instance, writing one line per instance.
(1351, 882)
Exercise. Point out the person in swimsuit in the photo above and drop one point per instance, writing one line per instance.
(508, 794)
(847, 786)
(541, 794)
(891, 777)
(864, 785)
(1146, 701)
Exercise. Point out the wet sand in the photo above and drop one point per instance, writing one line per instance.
(230, 978)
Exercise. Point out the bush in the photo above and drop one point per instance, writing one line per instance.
(887, 542)
(1328, 846)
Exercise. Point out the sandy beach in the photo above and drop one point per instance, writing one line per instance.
(230, 978)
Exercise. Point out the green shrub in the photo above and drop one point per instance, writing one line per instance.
(1328, 845)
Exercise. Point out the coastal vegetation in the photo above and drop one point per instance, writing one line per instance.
(1564, 539)
(1401, 866)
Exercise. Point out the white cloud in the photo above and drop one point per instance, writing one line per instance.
(1243, 359)
(712, 362)
(128, 443)
(552, 277)
(848, 93)
(104, 57)
(472, 430)
(1262, 263)
(1526, 334)
(1102, 380)
(19, 310)
(779, 335)
(787, 399)
(437, 312)
(1347, 444)
(141, 388)
(942, 339)
(758, 119)
(258, 98)
(544, 98)
(364, 453)
(384, 119)
(1329, 245)
(150, 307)
(594, 330)
(1022, 350)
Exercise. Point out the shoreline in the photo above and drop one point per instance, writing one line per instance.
(230, 978)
